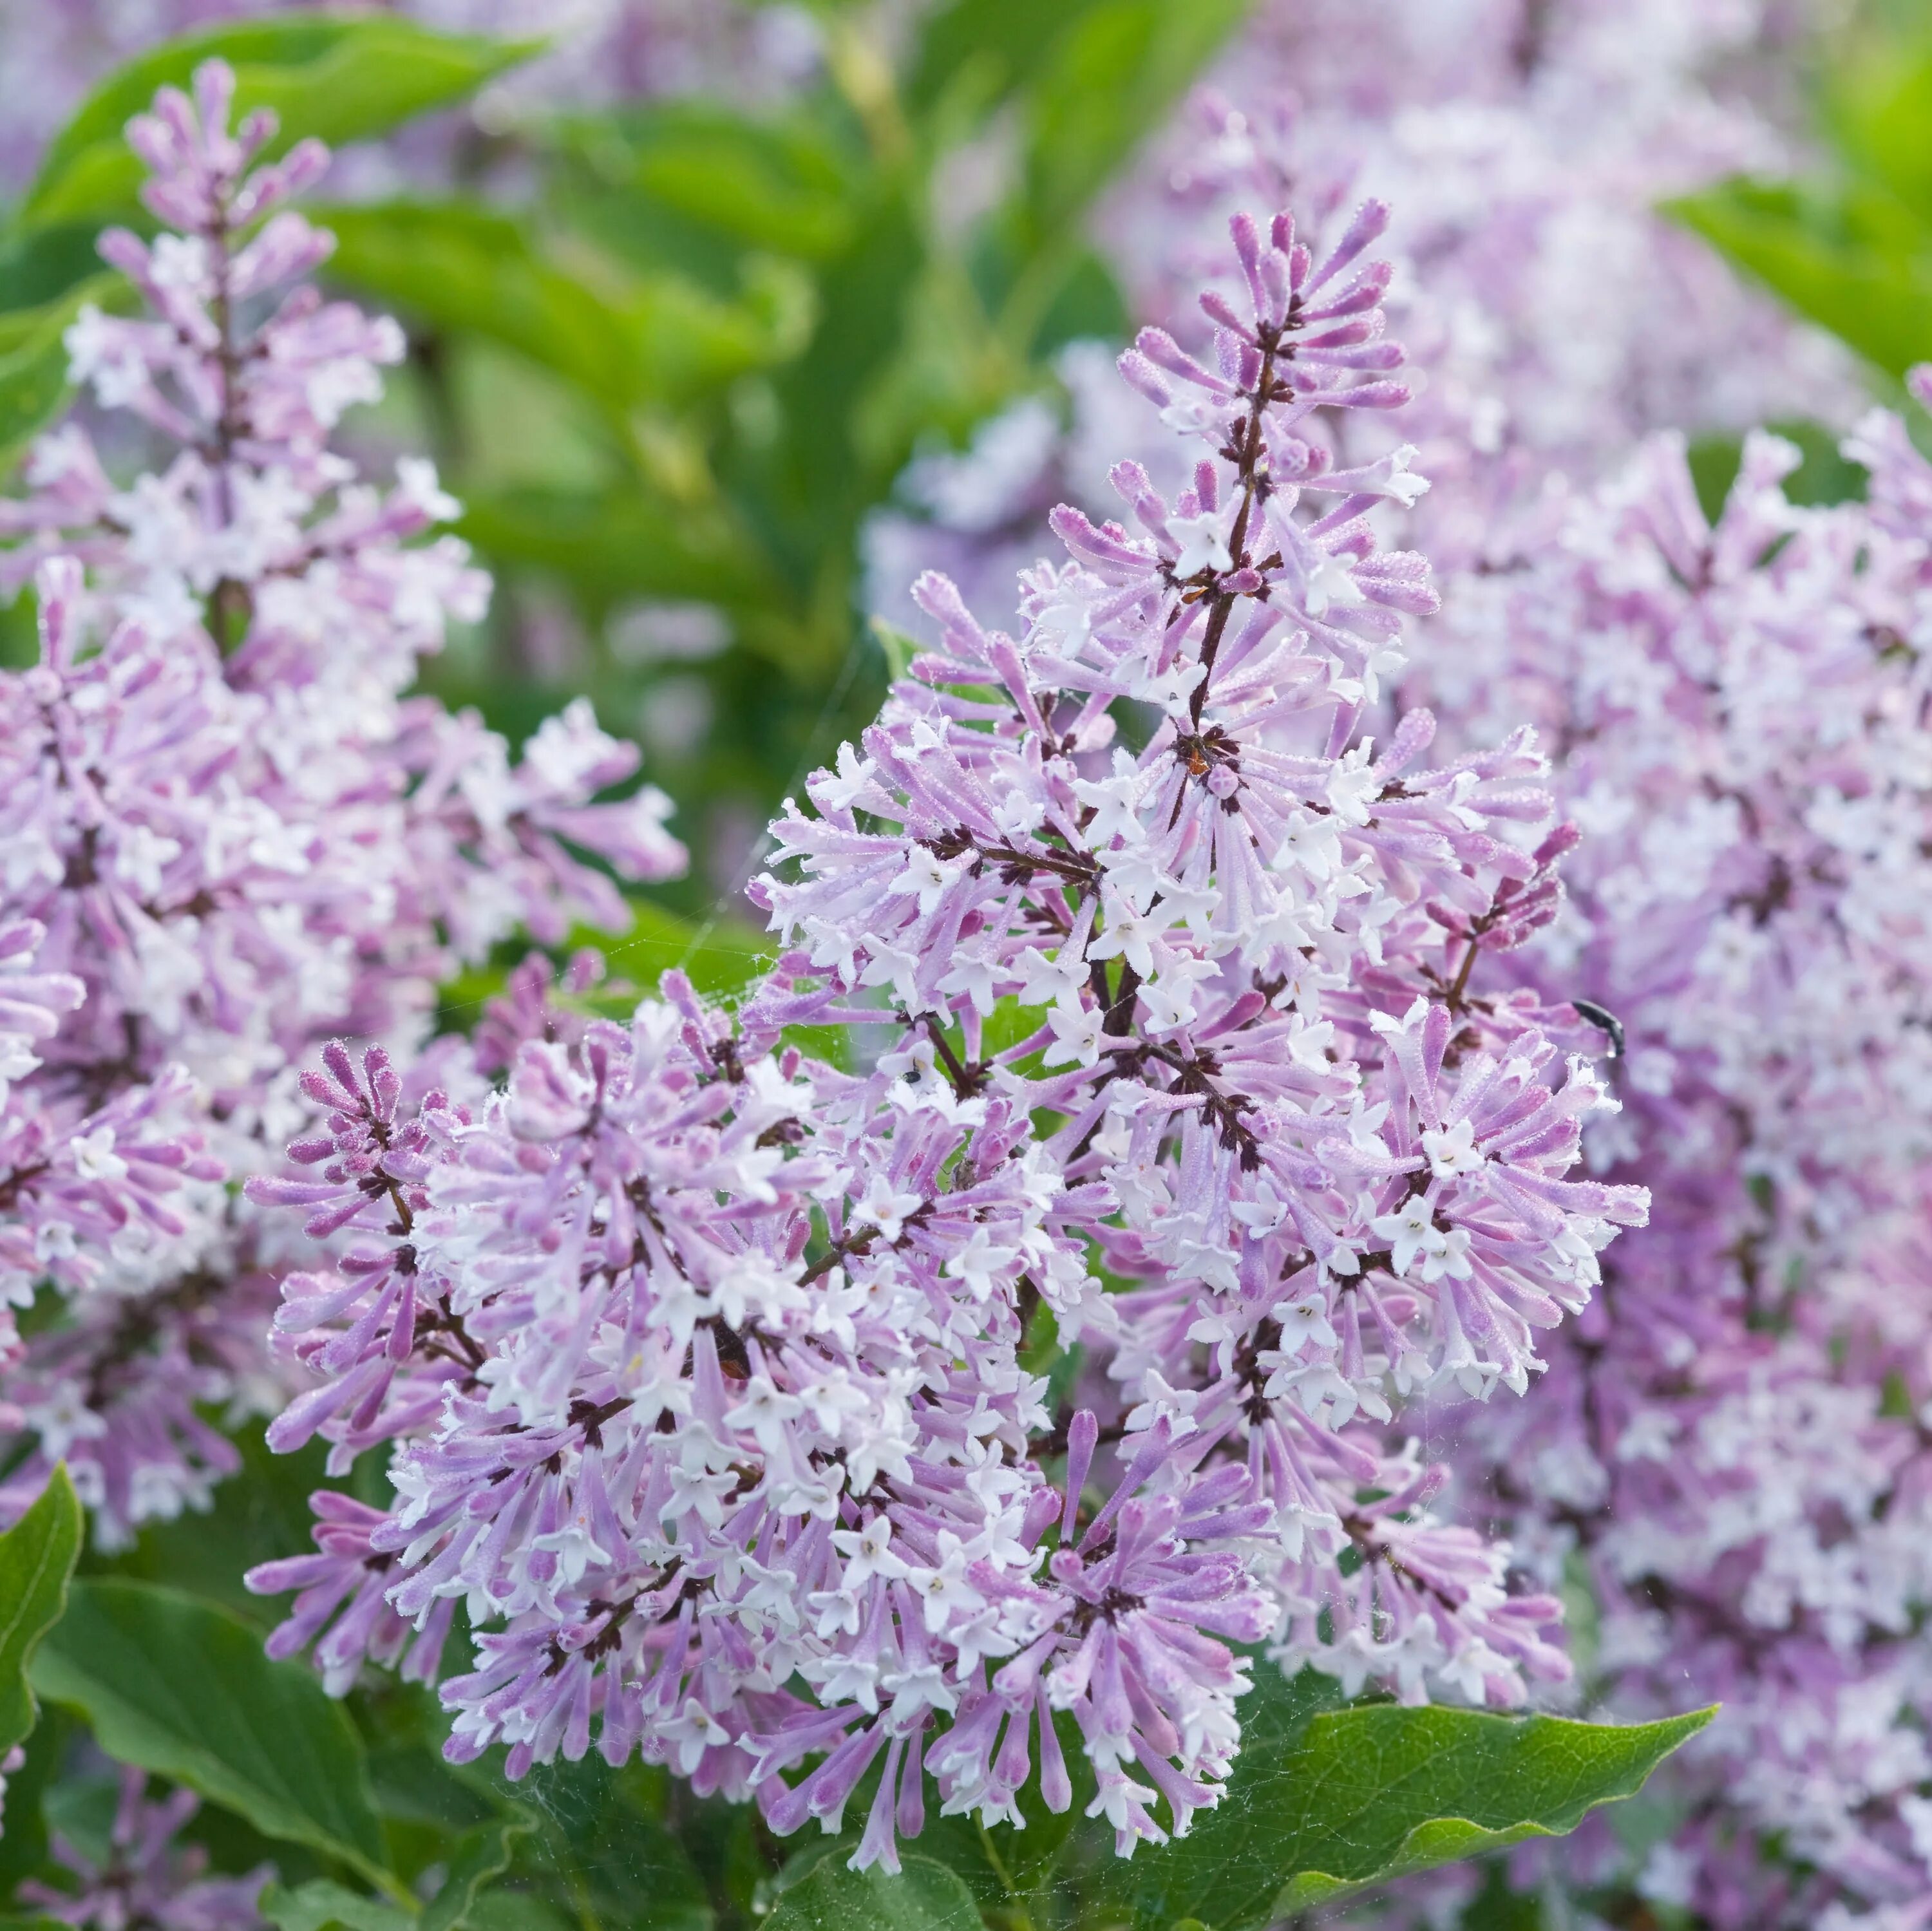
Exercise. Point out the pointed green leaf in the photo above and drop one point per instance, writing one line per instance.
(1104, 86)
(182, 1689)
(1857, 262)
(1323, 1802)
(338, 77)
(481, 1856)
(37, 1557)
(683, 182)
(1879, 106)
(34, 385)
(601, 1850)
(39, 264)
(622, 337)
(323, 1902)
(997, 44)
(619, 543)
(924, 1896)
(719, 958)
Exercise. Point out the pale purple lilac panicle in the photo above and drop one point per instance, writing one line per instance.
(148, 1877)
(226, 832)
(716, 1379)
(1732, 1439)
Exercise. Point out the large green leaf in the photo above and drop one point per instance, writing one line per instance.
(924, 1896)
(619, 543)
(1824, 475)
(1855, 260)
(719, 958)
(668, 184)
(481, 1856)
(181, 1688)
(457, 266)
(323, 1902)
(339, 76)
(603, 1849)
(1105, 85)
(991, 46)
(37, 1557)
(33, 385)
(39, 264)
(625, 338)
(1325, 1801)
(1879, 107)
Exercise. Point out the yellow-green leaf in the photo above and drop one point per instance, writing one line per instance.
(337, 76)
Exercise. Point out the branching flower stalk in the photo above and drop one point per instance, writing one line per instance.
(826, 1428)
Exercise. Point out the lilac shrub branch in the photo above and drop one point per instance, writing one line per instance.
(702, 1366)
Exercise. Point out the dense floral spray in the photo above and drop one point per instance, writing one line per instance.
(787, 1417)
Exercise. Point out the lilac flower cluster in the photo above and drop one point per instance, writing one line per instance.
(1733, 1438)
(147, 1877)
(227, 833)
(1026, 1356)
(1728, 1456)
(1558, 317)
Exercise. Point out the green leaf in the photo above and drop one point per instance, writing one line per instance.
(34, 385)
(1879, 106)
(813, 485)
(603, 1851)
(619, 543)
(337, 76)
(668, 183)
(899, 650)
(622, 337)
(36, 1558)
(1323, 1802)
(481, 1855)
(1826, 475)
(1107, 83)
(39, 264)
(719, 958)
(181, 1688)
(323, 1902)
(458, 266)
(924, 1896)
(23, 1843)
(998, 42)
(1854, 261)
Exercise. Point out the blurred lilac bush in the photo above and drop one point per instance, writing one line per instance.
(229, 833)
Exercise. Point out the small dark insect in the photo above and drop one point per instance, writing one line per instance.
(1607, 1022)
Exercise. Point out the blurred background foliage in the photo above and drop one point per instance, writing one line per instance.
(1848, 244)
(671, 354)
